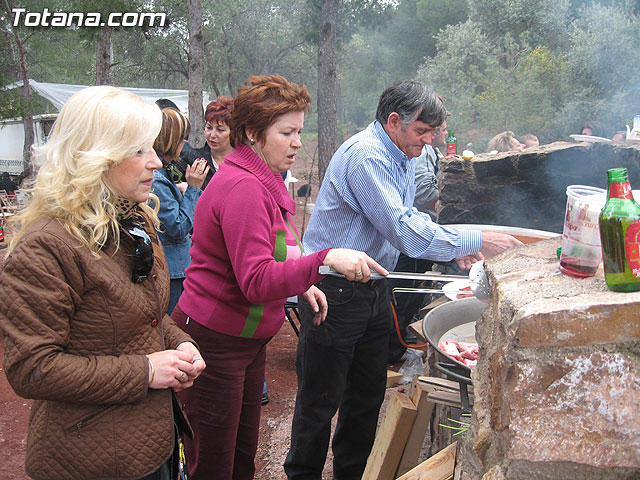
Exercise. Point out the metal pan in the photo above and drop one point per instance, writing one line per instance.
(461, 314)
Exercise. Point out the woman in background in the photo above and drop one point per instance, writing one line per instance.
(216, 132)
(247, 260)
(85, 283)
(176, 209)
(216, 129)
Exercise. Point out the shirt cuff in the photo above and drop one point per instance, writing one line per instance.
(470, 242)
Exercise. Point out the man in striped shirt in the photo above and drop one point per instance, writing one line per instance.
(366, 203)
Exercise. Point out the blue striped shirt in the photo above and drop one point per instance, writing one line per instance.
(366, 203)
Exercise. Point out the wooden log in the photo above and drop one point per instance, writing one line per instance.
(411, 454)
(441, 466)
(393, 378)
(391, 438)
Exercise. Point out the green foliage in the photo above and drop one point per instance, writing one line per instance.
(352, 15)
(532, 22)
(603, 68)
(539, 66)
(11, 103)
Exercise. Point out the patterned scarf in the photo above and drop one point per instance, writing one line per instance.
(126, 208)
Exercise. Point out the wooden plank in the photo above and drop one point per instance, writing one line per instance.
(446, 398)
(418, 433)
(391, 438)
(436, 303)
(416, 328)
(443, 384)
(393, 378)
(439, 467)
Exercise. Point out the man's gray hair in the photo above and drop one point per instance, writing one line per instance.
(412, 101)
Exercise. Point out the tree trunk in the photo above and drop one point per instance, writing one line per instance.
(327, 86)
(27, 114)
(104, 57)
(196, 58)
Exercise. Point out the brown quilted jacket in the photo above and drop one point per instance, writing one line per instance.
(76, 333)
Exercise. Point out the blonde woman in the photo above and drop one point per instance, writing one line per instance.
(176, 207)
(85, 282)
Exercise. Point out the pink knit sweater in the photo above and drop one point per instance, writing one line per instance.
(240, 277)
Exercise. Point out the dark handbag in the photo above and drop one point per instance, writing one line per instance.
(182, 428)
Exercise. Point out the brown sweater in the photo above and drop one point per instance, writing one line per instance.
(76, 331)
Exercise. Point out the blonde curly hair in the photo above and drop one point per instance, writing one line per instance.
(96, 129)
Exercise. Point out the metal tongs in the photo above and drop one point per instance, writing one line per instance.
(477, 279)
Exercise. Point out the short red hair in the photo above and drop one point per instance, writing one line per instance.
(219, 110)
(261, 100)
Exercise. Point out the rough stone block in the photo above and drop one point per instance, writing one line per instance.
(582, 408)
(557, 385)
(574, 322)
(540, 175)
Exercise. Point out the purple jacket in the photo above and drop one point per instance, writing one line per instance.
(240, 277)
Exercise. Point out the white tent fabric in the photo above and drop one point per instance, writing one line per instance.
(59, 93)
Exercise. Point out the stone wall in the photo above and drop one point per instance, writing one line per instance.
(557, 385)
(528, 189)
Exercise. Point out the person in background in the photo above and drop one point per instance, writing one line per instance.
(247, 259)
(366, 202)
(529, 140)
(620, 136)
(7, 184)
(176, 208)
(187, 151)
(216, 132)
(85, 284)
(594, 128)
(504, 142)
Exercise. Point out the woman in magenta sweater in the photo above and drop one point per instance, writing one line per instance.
(247, 260)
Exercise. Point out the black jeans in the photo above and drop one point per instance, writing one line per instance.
(340, 364)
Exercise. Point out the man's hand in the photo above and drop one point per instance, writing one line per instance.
(495, 242)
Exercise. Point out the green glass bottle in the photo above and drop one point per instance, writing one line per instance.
(451, 143)
(620, 234)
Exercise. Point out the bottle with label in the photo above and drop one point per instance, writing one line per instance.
(451, 143)
(620, 234)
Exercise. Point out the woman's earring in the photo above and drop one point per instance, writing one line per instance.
(251, 141)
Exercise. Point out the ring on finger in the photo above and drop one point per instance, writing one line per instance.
(358, 273)
(183, 376)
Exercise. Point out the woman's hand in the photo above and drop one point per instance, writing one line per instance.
(354, 265)
(197, 172)
(317, 300)
(182, 186)
(175, 369)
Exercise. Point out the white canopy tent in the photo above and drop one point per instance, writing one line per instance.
(12, 130)
(59, 93)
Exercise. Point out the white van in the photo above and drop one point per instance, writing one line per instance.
(12, 140)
